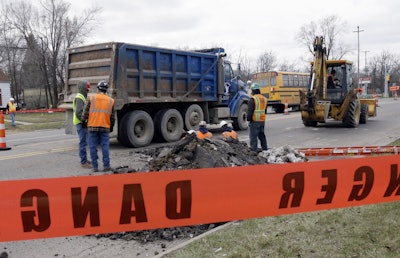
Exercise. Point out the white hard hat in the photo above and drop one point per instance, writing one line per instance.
(191, 131)
(202, 123)
(12, 99)
(223, 122)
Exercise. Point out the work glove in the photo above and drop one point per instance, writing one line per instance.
(84, 124)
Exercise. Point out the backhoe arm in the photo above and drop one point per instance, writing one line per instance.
(319, 82)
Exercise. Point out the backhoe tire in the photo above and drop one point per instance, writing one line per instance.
(352, 117)
(364, 114)
(309, 123)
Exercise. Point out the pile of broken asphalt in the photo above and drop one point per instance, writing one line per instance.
(192, 153)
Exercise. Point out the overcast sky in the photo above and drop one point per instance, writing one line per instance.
(249, 27)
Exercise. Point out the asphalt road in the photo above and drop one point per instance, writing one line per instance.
(52, 153)
(380, 130)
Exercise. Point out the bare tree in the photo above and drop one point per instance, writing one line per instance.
(53, 31)
(395, 71)
(244, 64)
(11, 51)
(306, 36)
(380, 65)
(290, 67)
(330, 28)
(266, 62)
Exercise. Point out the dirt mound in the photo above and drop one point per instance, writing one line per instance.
(191, 153)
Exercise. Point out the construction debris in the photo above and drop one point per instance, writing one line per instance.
(191, 153)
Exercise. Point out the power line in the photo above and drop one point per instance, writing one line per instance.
(358, 72)
(13, 47)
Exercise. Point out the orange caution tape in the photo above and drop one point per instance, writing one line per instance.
(350, 151)
(50, 110)
(54, 207)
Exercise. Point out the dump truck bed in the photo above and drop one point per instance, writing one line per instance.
(144, 74)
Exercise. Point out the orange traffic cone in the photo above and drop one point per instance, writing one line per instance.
(286, 107)
(3, 145)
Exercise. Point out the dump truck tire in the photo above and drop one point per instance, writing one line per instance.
(240, 122)
(138, 129)
(193, 114)
(122, 134)
(364, 114)
(352, 116)
(169, 124)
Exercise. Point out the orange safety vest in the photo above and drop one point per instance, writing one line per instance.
(101, 107)
(201, 135)
(260, 103)
(12, 107)
(229, 134)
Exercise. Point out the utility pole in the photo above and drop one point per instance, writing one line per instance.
(358, 72)
(365, 91)
(386, 83)
(365, 64)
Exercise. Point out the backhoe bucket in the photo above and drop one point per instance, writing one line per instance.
(319, 114)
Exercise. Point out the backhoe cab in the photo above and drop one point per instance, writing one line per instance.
(332, 93)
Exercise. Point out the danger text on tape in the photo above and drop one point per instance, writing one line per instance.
(53, 207)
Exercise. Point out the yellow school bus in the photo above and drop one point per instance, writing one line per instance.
(282, 87)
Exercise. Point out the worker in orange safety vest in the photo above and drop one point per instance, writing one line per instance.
(99, 112)
(227, 132)
(257, 108)
(203, 132)
(11, 110)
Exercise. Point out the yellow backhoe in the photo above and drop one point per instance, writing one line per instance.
(332, 93)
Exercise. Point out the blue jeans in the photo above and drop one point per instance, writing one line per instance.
(102, 139)
(83, 137)
(257, 132)
(12, 116)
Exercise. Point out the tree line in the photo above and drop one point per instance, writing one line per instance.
(380, 67)
(34, 38)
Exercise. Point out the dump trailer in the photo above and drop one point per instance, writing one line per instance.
(159, 93)
(333, 96)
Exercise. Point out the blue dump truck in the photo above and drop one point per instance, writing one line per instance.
(159, 93)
